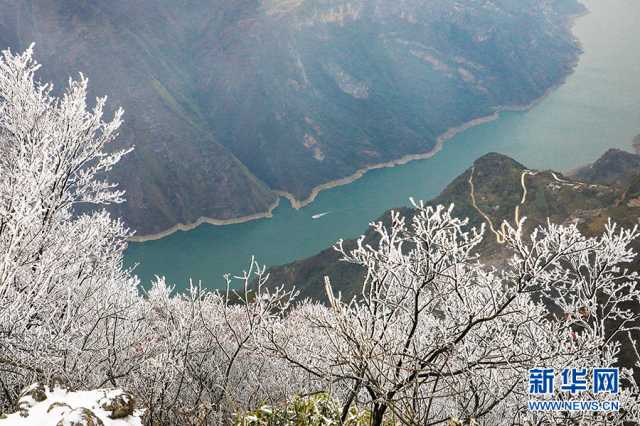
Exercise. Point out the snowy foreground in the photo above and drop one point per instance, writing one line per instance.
(43, 406)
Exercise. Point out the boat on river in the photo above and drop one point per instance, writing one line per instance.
(319, 215)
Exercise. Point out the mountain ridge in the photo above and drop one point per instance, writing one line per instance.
(232, 104)
(495, 195)
(315, 191)
(615, 167)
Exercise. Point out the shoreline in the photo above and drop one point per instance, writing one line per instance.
(359, 173)
(202, 220)
(449, 134)
(441, 139)
(299, 204)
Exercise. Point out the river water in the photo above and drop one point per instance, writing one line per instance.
(597, 108)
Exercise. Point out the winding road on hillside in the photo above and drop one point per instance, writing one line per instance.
(502, 232)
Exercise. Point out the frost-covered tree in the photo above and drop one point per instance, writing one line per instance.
(433, 336)
(67, 306)
(436, 335)
(69, 310)
(201, 361)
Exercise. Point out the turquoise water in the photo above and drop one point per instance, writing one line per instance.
(597, 108)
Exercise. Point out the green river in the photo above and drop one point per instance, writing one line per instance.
(597, 108)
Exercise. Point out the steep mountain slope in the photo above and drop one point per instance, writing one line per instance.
(229, 102)
(616, 167)
(495, 183)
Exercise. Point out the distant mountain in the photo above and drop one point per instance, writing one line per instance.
(229, 102)
(636, 144)
(495, 181)
(615, 167)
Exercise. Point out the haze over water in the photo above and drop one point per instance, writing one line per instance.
(596, 109)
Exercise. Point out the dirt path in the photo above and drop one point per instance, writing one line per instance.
(502, 232)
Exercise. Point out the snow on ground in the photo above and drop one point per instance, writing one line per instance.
(43, 406)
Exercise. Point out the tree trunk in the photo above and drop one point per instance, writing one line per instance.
(378, 414)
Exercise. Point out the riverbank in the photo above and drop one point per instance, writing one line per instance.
(203, 220)
(298, 204)
(572, 127)
(447, 135)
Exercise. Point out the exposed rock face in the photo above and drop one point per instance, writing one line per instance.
(229, 101)
(80, 417)
(57, 406)
(36, 392)
(120, 406)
